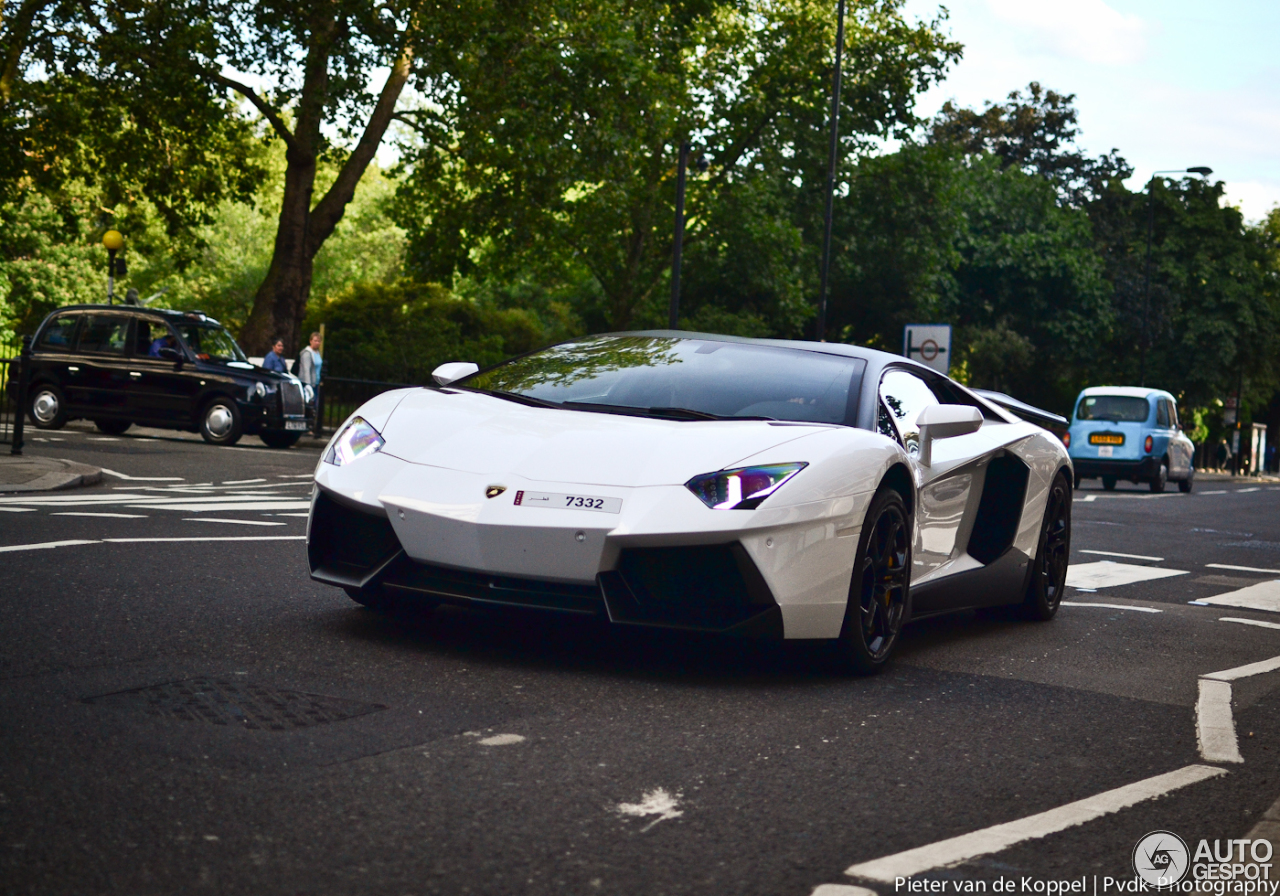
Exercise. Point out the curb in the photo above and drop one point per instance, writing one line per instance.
(72, 475)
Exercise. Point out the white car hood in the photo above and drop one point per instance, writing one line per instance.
(475, 433)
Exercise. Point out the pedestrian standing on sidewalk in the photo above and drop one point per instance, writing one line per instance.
(309, 362)
(275, 358)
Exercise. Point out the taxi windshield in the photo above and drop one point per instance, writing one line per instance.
(1116, 408)
(210, 343)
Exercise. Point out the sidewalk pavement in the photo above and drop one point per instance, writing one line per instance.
(39, 474)
(1225, 476)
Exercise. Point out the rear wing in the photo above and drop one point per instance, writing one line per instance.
(1023, 410)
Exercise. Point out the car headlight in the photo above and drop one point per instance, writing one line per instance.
(356, 440)
(260, 390)
(743, 488)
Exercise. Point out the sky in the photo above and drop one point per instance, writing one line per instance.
(1170, 84)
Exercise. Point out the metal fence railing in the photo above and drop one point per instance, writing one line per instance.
(340, 396)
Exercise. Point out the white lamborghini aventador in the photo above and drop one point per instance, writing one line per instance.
(795, 490)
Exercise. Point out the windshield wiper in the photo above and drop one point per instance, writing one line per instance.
(661, 412)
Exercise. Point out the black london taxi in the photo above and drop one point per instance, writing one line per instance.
(119, 364)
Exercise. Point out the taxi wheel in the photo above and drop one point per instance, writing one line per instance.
(220, 422)
(1161, 478)
(1187, 484)
(48, 408)
(112, 427)
(1109, 483)
(273, 438)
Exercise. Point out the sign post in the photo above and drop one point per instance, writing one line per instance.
(930, 344)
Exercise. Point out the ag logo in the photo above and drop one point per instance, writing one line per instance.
(1161, 859)
(494, 490)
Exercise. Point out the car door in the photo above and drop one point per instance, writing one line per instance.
(53, 355)
(945, 488)
(102, 351)
(163, 388)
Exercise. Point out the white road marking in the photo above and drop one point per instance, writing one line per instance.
(1262, 596)
(246, 505)
(296, 475)
(1072, 603)
(141, 478)
(102, 439)
(114, 516)
(1221, 491)
(210, 519)
(6, 549)
(18, 509)
(656, 802)
(293, 514)
(1215, 726)
(1239, 672)
(1087, 500)
(1241, 491)
(841, 890)
(1107, 573)
(1118, 554)
(501, 740)
(1243, 568)
(242, 481)
(42, 546)
(1257, 622)
(1002, 836)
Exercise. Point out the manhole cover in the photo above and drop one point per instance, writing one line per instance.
(218, 701)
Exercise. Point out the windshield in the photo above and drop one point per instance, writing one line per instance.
(210, 343)
(674, 377)
(1117, 408)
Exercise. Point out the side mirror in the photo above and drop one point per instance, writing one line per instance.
(945, 421)
(453, 371)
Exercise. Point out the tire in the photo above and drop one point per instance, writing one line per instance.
(220, 422)
(1186, 485)
(1161, 479)
(47, 407)
(274, 438)
(1053, 551)
(113, 427)
(1076, 483)
(880, 590)
(1109, 483)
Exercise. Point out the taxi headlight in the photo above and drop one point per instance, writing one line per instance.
(743, 488)
(260, 390)
(356, 440)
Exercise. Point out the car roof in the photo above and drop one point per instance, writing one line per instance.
(1125, 392)
(166, 313)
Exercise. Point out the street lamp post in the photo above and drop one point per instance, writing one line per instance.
(1146, 283)
(832, 159)
(113, 242)
(677, 248)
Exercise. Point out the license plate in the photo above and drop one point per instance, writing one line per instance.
(568, 502)
(295, 424)
(1106, 438)
(1106, 451)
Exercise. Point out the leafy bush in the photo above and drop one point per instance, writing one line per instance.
(399, 332)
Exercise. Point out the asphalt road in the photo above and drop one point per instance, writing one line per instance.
(468, 752)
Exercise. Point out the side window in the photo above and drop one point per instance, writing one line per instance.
(906, 395)
(106, 333)
(1162, 413)
(1173, 415)
(884, 425)
(60, 335)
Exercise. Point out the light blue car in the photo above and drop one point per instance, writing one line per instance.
(1123, 432)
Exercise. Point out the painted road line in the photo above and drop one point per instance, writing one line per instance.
(1239, 672)
(1118, 554)
(1215, 726)
(1257, 622)
(46, 545)
(296, 475)
(1107, 573)
(293, 514)
(1221, 491)
(1073, 603)
(114, 516)
(1262, 596)
(841, 890)
(1241, 491)
(208, 538)
(247, 505)
(1086, 500)
(18, 509)
(1275, 572)
(210, 519)
(141, 478)
(1002, 836)
(242, 481)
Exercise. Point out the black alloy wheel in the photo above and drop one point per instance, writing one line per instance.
(1049, 569)
(220, 422)
(112, 427)
(47, 407)
(1161, 478)
(1109, 483)
(880, 590)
